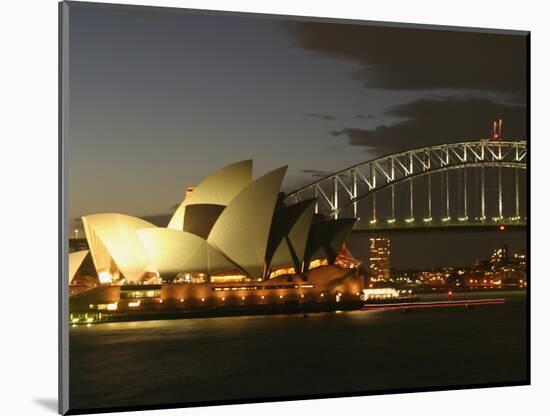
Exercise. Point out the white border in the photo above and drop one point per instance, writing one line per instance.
(29, 204)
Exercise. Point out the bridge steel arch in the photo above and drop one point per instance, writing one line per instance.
(345, 188)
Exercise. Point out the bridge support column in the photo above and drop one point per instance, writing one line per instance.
(354, 191)
(465, 193)
(516, 173)
(335, 196)
(447, 211)
(482, 193)
(500, 192)
(373, 185)
(429, 196)
(392, 176)
(373, 208)
(459, 193)
(411, 198)
(316, 193)
(393, 203)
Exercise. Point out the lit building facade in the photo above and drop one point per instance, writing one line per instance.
(499, 257)
(379, 258)
(231, 241)
(520, 260)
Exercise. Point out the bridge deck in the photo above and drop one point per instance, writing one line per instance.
(454, 227)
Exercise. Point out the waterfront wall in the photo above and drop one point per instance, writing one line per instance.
(323, 284)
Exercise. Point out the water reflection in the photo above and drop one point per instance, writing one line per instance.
(173, 361)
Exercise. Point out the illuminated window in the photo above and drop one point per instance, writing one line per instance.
(107, 306)
(229, 279)
(190, 278)
(139, 294)
(281, 272)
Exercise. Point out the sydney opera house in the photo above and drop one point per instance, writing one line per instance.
(231, 242)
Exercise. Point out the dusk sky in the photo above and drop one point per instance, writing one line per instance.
(161, 98)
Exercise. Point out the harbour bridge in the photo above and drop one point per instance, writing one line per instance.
(479, 184)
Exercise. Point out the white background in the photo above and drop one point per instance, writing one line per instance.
(28, 205)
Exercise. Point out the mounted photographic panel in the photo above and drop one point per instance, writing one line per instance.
(261, 207)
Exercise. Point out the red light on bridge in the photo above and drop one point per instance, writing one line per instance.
(501, 228)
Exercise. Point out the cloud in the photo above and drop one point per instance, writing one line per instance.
(314, 173)
(433, 121)
(326, 117)
(365, 116)
(422, 59)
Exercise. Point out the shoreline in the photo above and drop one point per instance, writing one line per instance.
(228, 311)
(287, 309)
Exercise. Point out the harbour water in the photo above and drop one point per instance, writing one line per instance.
(253, 357)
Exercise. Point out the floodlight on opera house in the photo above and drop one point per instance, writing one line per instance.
(229, 222)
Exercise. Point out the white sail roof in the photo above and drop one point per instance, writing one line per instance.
(217, 189)
(75, 260)
(172, 252)
(242, 230)
(112, 238)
